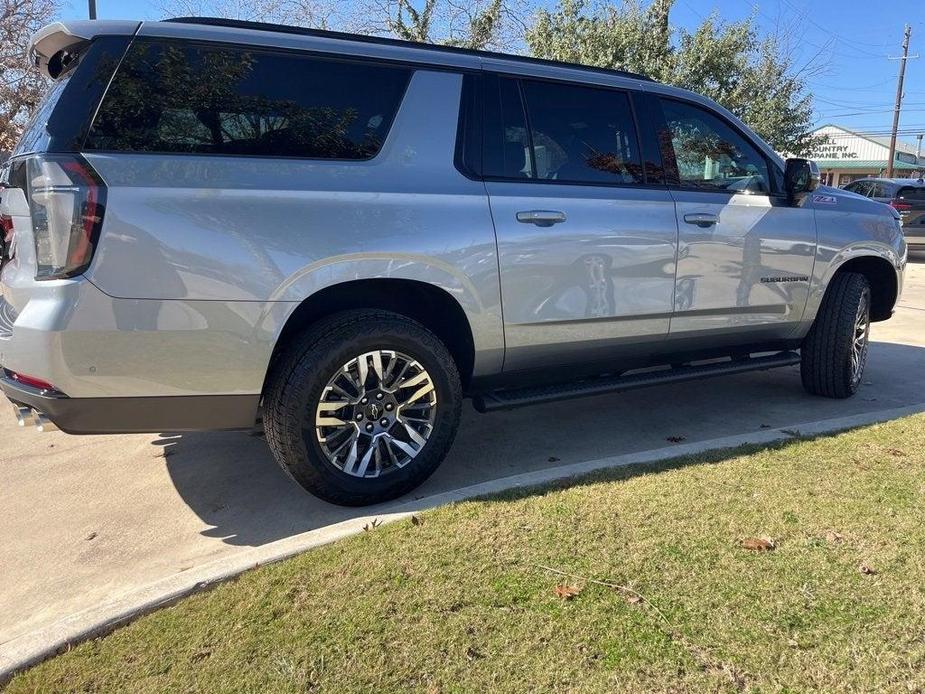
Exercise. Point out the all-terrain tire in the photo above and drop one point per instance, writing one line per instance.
(301, 373)
(826, 365)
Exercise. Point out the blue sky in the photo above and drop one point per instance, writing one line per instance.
(850, 40)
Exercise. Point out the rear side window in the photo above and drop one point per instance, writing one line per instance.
(507, 143)
(582, 134)
(561, 132)
(169, 97)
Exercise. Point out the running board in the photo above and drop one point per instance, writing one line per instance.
(521, 397)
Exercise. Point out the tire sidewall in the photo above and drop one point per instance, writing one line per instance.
(851, 383)
(319, 363)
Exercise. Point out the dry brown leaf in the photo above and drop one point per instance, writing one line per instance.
(566, 592)
(758, 544)
(415, 520)
(634, 599)
(834, 537)
(867, 570)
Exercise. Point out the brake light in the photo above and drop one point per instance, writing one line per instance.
(31, 381)
(66, 201)
(6, 229)
(899, 205)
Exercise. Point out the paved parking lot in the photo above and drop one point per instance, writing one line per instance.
(87, 519)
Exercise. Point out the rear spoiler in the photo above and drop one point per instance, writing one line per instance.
(52, 46)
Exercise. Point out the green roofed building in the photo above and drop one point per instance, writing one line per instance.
(850, 155)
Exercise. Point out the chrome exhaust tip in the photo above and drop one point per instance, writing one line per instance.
(43, 423)
(24, 415)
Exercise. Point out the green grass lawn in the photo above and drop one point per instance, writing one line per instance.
(668, 597)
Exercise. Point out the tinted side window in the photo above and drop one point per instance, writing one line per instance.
(507, 144)
(170, 97)
(710, 154)
(582, 134)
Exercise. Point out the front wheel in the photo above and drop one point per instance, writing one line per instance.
(363, 407)
(834, 352)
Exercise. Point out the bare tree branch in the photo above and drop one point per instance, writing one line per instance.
(21, 86)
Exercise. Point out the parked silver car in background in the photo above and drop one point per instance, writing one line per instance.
(906, 196)
(210, 222)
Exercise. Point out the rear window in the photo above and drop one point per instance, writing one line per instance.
(35, 137)
(170, 98)
(912, 192)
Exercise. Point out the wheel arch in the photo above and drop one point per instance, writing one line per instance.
(882, 278)
(432, 306)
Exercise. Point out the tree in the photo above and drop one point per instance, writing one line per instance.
(467, 23)
(728, 62)
(476, 24)
(21, 86)
(310, 13)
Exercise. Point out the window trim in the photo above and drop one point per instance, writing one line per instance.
(519, 79)
(272, 50)
(668, 153)
(470, 127)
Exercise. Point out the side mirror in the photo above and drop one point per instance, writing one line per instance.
(801, 176)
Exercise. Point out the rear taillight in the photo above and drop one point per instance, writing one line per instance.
(6, 229)
(66, 201)
(899, 205)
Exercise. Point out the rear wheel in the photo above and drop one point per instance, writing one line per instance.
(834, 352)
(363, 407)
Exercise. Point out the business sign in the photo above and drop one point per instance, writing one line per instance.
(832, 151)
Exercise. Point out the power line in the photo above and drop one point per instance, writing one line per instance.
(862, 104)
(804, 15)
(866, 88)
(870, 112)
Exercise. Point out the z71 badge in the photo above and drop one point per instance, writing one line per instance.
(825, 200)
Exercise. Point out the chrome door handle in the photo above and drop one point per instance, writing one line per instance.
(701, 219)
(542, 218)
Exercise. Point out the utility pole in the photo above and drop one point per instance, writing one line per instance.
(92, 9)
(899, 98)
(918, 156)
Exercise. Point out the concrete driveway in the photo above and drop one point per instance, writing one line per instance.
(86, 520)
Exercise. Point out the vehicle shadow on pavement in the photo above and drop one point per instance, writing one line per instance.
(231, 482)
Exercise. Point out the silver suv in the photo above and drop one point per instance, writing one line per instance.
(209, 223)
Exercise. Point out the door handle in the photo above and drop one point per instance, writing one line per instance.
(542, 218)
(701, 219)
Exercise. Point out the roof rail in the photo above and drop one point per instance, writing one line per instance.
(362, 38)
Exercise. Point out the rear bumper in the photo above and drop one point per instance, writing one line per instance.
(118, 415)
